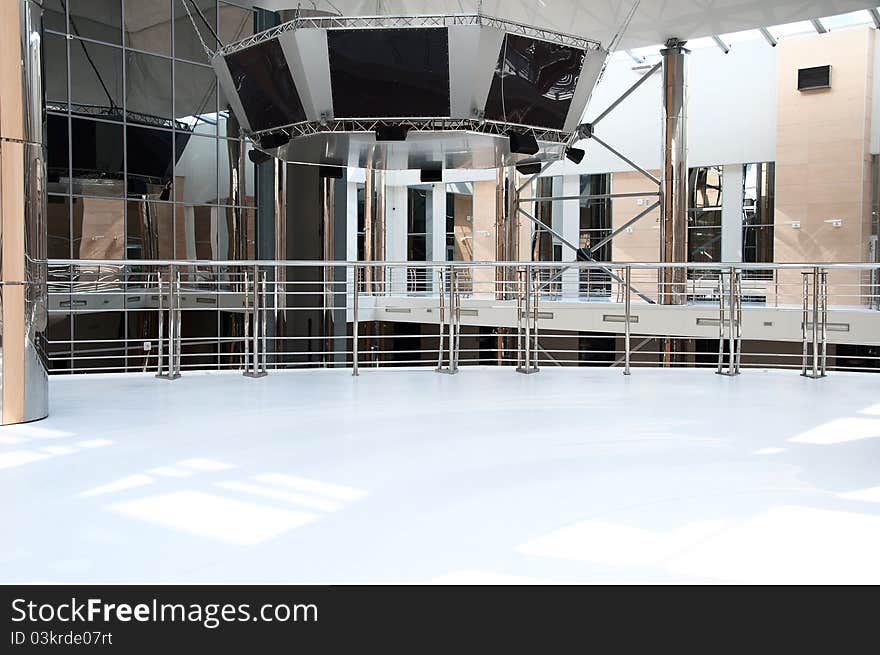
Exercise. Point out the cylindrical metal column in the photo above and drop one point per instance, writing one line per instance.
(22, 214)
(674, 174)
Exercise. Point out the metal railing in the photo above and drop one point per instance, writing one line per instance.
(169, 316)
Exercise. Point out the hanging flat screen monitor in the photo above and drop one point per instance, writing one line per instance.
(265, 86)
(534, 82)
(390, 73)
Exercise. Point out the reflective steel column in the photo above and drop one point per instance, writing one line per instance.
(506, 232)
(674, 174)
(23, 210)
(673, 185)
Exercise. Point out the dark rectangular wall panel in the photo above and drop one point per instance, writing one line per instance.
(817, 77)
(534, 82)
(390, 73)
(265, 87)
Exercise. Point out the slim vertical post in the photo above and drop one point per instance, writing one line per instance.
(246, 319)
(732, 318)
(161, 333)
(442, 325)
(824, 296)
(264, 318)
(816, 322)
(804, 320)
(626, 311)
(721, 320)
(354, 326)
(178, 349)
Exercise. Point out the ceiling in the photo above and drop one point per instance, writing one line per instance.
(654, 21)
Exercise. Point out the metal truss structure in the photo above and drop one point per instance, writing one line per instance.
(426, 20)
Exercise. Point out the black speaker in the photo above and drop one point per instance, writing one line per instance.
(575, 155)
(529, 168)
(431, 175)
(276, 140)
(258, 157)
(391, 133)
(522, 144)
(333, 172)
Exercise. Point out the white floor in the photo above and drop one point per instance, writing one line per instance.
(571, 475)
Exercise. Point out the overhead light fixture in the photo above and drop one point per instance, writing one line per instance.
(273, 140)
(769, 37)
(529, 168)
(522, 144)
(721, 44)
(258, 156)
(431, 175)
(391, 133)
(575, 155)
(818, 26)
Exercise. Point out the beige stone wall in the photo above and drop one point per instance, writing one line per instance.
(643, 243)
(822, 156)
(484, 235)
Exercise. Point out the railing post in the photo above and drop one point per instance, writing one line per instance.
(626, 311)
(721, 319)
(804, 320)
(739, 321)
(178, 321)
(252, 358)
(454, 315)
(442, 324)
(354, 326)
(731, 369)
(173, 371)
(824, 300)
(529, 320)
(816, 322)
(160, 349)
(263, 324)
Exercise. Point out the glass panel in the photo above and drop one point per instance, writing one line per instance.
(195, 97)
(704, 216)
(57, 151)
(96, 79)
(58, 227)
(98, 228)
(534, 82)
(148, 80)
(98, 344)
(236, 23)
(196, 170)
(148, 26)
(759, 183)
(150, 229)
(459, 227)
(595, 225)
(97, 158)
(232, 169)
(199, 234)
(186, 39)
(54, 15)
(265, 86)
(55, 74)
(241, 229)
(150, 161)
(96, 19)
(395, 72)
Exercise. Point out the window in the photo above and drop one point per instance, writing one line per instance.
(759, 182)
(595, 225)
(704, 216)
(418, 238)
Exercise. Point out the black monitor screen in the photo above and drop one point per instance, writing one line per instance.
(389, 72)
(534, 82)
(265, 86)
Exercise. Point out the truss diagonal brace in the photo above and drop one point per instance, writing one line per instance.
(627, 93)
(582, 255)
(629, 223)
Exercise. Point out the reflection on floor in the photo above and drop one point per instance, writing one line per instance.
(571, 475)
